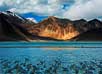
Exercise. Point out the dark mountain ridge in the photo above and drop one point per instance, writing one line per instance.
(91, 35)
(11, 27)
(16, 28)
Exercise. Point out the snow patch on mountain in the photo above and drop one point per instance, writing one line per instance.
(32, 19)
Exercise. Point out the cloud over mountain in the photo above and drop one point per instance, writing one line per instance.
(73, 9)
(45, 7)
(88, 10)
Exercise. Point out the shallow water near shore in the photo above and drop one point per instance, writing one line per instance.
(64, 53)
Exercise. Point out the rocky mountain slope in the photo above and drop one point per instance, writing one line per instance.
(64, 29)
(91, 35)
(14, 27)
(61, 29)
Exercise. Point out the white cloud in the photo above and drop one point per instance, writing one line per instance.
(25, 6)
(42, 7)
(88, 9)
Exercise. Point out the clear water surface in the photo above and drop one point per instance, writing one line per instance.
(51, 58)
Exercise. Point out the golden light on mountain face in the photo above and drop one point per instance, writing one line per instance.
(62, 29)
(16, 28)
(59, 33)
(55, 28)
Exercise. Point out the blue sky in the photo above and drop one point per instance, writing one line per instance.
(37, 17)
(41, 9)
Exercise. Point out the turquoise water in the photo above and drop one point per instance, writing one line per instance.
(51, 44)
(66, 54)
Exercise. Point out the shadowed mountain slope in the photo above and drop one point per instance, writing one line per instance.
(13, 27)
(92, 35)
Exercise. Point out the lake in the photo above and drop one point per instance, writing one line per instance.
(50, 57)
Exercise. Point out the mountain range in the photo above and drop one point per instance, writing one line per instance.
(14, 27)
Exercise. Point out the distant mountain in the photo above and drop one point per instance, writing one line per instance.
(13, 27)
(32, 20)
